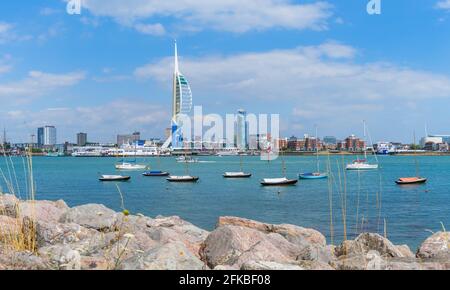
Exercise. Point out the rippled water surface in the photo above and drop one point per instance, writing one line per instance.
(373, 201)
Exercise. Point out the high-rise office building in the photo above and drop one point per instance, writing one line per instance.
(241, 130)
(49, 136)
(81, 139)
(40, 137)
(46, 136)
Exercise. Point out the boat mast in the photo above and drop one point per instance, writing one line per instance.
(415, 155)
(283, 164)
(241, 163)
(365, 149)
(317, 152)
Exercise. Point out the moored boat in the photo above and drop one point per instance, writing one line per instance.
(131, 166)
(317, 174)
(237, 175)
(278, 181)
(411, 180)
(361, 165)
(114, 178)
(186, 178)
(313, 175)
(155, 173)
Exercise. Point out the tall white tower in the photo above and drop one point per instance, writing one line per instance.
(182, 103)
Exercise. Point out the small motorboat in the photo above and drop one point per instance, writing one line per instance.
(186, 178)
(237, 175)
(156, 173)
(131, 166)
(114, 178)
(278, 181)
(411, 180)
(313, 175)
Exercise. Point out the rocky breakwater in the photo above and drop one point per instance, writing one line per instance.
(93, 237)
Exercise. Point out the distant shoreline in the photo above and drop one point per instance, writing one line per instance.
(306, 154)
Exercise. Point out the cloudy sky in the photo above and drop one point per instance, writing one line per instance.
(330, 63)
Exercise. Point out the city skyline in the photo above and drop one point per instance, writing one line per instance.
(107, 73)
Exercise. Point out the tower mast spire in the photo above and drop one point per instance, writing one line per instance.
(176, 58)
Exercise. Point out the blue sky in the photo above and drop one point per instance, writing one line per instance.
(108, 70)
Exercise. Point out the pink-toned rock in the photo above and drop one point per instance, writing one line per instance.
(58, 233)
(436, 246)
(294, 234)
(95, 263)
(247, 223)
(46, 211)
(236, 245)
(367, 242)
(406, 251)
(170, 229)
(8, 205)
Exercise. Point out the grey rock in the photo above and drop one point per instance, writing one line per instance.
(58, 233)
(46, 211)
(92, 216)
(436, 246)
(235, 245)
(171, 256)
(8, 205)
(62, 257)
(317, 253)
(367, 242)
(294, 234)
(268, 266)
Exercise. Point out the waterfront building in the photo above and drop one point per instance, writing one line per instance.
(181, 103)
(81, 139)
(128, 138)
(329, 140)
(282, 143)
(352, 144)
(46, 136)
(40, 137)
(241, 130)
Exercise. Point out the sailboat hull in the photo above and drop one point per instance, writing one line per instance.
(155, 174)
(237, 175)
(408, 181)
(184, 179)
(362, 166)
(313, 176)
(279, 182)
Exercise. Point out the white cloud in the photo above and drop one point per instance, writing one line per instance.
(37, 84)
(119, 116)
(150, 29)
(324, 82)
(324, 71)
(231, 15)
(5, 66)
(444, 4)
(5, 31)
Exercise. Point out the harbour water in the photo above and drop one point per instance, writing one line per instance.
(373, 201)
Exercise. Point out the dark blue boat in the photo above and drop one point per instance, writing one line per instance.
(156, 173)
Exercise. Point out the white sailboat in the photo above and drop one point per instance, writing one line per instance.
(131, 165)
(283, 181)
(362, 164)
(317, 174)
(240, 174)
